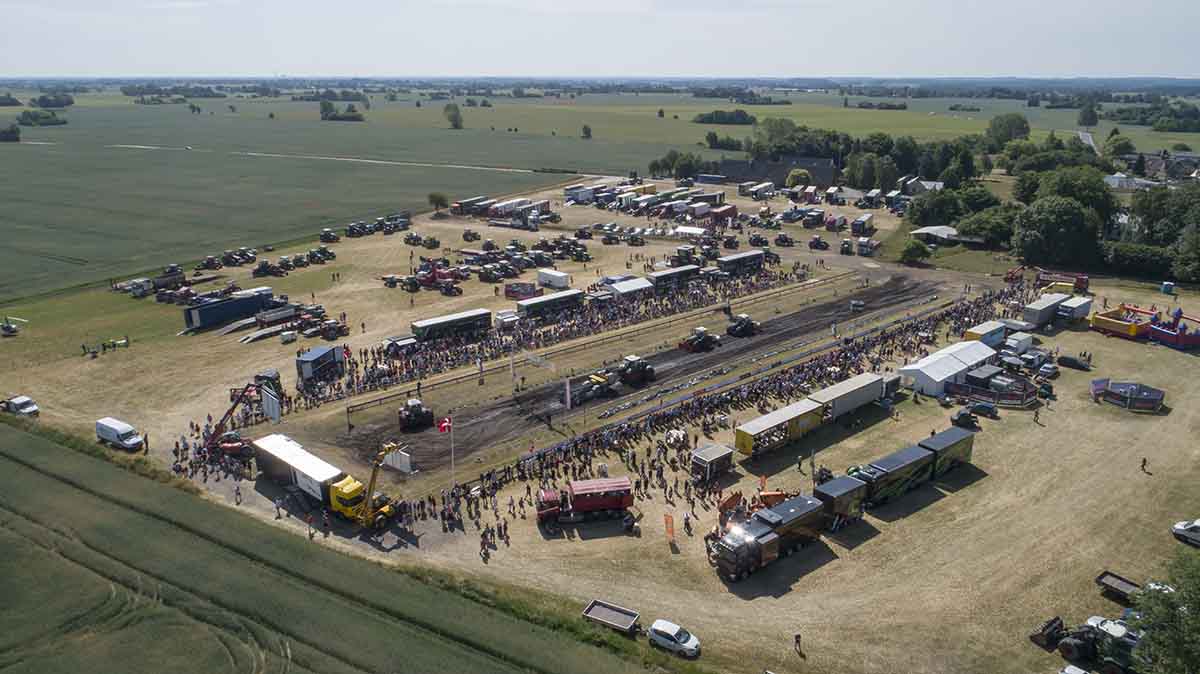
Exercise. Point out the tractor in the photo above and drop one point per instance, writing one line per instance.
(730, 243)
(817, 243)
(315, 257)
(757, 239)
(489, 245)
(742, 326)
(329, 236)
(331, 329)
(299, 260)
(700, 340)
(847, 247)
(583, 233)
(230, 258)
(449, 288)
(635, 372)
(1109, 644)
(581, 256)
(285, 263)
(516, 245)
(210, 262)
(610, 239)
(784, 240)
(412, 239)
(770, 256)
(326, 252)
(414, 415)
(431, 242)
(636, 240)
(470, 235)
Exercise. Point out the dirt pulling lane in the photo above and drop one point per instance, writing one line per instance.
(504, 420)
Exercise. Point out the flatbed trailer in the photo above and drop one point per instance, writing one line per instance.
(610, 615)
(1117, 585)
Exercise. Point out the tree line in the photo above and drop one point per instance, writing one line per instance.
(40, 118)
(151, 90)
(725, 117)
(1178, 116)
(53, 101)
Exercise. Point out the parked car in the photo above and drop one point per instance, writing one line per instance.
(22, 406)
(1074, 363)
(669, 636)
(110, 431)
(1049, 370)
(1187, 532)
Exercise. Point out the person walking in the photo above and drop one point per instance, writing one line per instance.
(1144, 466)
(796, 645)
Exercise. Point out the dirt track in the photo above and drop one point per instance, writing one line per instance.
(507, 419)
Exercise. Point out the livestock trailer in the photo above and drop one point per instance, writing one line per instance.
(472, 322)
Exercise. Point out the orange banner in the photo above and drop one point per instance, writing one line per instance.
(669, 520)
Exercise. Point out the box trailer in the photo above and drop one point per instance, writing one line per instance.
(1019, 342)
(1042, 311)
(744, 188)
(990, 333)
(711, 461)
(505, 208)
(285, 462)
(721, 213)
(849, 395)
(699, 210)
(950, 448)
(710, 178)
(553, 278)
(710, 198)
(842, 498)
(321, 362)
(762, 190)
(895, 474)
(863, 225)
(242, 304)
(1075, 308)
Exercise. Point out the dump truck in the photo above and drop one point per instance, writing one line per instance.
(601, 498)
(769, 534)
(414, 415)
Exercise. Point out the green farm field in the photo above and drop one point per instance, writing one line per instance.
(117, 191)
(103, 569)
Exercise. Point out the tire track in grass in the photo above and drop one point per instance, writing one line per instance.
(131, 592)
(422, 627)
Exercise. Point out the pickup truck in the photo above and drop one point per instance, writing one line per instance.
(22, 406)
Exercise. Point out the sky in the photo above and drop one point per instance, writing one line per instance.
(600, 38)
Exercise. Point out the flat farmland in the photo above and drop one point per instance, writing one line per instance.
(93, 581)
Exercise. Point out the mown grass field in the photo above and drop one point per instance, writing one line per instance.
(105, 571)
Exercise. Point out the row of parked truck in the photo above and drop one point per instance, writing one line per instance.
(771, 533)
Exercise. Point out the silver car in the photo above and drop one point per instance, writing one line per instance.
(1187, 532)
(669, 636)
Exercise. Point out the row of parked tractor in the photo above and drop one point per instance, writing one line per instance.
(491, 263)
(265, 267)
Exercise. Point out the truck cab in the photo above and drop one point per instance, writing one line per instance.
(346, 496)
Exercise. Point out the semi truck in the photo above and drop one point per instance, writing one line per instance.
(769, 534)
(284, 461)
(777, 531)
(602, 498)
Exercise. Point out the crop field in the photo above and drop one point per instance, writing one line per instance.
(102, 569)
(117, 190)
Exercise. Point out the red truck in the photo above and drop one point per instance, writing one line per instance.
(603, 498)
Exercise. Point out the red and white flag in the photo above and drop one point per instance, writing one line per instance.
(444, 425)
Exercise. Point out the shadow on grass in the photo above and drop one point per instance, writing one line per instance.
(779, 578)
(906, 504)
(853, 535)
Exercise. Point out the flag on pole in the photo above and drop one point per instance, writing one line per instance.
(444, 425)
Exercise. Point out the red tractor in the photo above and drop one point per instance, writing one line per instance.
(603, 498)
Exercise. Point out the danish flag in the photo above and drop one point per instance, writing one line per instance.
(444, 425)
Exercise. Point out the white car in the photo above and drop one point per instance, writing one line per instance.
(1187, 532)
(22, 406)
(1049, 370)
(672, 637)
(1072, 669)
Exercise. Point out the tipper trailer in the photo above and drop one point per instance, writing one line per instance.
(610, 615)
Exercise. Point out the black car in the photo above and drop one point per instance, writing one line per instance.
(1074, 363)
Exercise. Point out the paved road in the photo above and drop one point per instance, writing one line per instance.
(1086, 137)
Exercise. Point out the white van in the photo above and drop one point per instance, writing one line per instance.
(117, 433)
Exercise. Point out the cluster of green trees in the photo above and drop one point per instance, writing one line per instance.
(681, 165)
(472, 103)
(738, 116)
(10, 134)
(133, 90)
(159, 100)
(40, 118)
(715, 142)
(9, 101)
(1025, 156)
(330, 113)
(53, 101)
(453, 115)
(1163, 116)
(882, 105)
(963, 107)
(344, 95)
